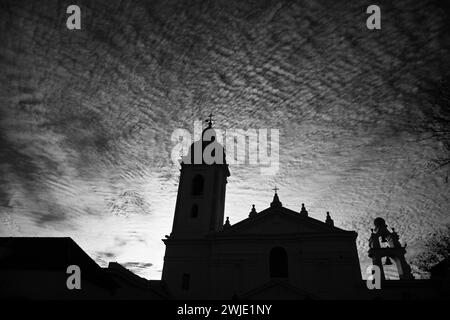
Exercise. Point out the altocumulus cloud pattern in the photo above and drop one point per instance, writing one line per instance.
(86, 116)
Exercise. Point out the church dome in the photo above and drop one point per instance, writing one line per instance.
(207, 150)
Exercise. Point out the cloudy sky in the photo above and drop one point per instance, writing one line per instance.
(86, 116)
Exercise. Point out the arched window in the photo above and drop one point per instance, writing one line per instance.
(194, 211)
(197, 185)
(278, 263)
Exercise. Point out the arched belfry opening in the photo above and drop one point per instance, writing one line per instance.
(197, 185)
(390, 268)
(278, 263)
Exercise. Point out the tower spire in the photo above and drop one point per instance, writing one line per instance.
(209, 121)
(201, 191)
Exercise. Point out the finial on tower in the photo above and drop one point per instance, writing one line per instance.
(210, 120)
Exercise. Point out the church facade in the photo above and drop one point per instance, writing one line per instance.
(273, 253)
(276, 252)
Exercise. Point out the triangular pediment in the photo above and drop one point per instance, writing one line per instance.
(279, 221)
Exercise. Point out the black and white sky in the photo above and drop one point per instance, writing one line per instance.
(86, 116)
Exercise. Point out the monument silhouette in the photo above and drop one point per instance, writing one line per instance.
(275, 253)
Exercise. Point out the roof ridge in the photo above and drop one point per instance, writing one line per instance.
(281, 210)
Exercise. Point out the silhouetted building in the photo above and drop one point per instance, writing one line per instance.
(277, 253)
(36, 268)
(273, 251)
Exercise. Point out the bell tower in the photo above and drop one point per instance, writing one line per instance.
(394, 250)
(201, 191)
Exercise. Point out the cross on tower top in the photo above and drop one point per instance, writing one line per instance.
(275, 189)
(210, 120)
